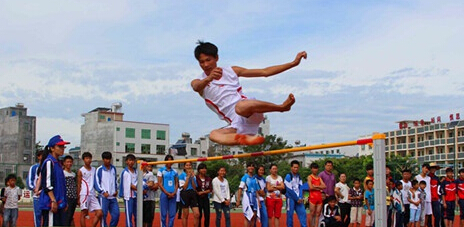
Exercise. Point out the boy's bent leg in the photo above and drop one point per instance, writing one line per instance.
(229, 136)
(114, 211)
(248, 107)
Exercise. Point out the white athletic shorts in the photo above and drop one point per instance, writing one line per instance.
(247, 125)
(89, 202)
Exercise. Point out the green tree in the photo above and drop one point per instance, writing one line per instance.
(20, 183)
(271, 142)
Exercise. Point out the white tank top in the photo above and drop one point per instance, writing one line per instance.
(222, 95)
(87, 181)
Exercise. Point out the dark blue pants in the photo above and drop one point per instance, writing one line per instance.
(111, 206)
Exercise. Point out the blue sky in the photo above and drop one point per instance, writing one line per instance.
(370, 64)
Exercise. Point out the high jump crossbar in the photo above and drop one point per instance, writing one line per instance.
(378, 141)
(265, 153)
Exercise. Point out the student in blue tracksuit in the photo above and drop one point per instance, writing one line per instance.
(168, 184)
(53, 196)
(262, 196)
(250, 203)
(128, 189)
(106, 186)
(31, 181)
(294, 194)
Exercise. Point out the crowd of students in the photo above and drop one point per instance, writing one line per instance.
(57, 191)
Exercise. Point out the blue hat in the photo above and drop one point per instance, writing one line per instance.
(56, 140)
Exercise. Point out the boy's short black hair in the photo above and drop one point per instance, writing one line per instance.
(68, 157)
(39, 153)
(426, 165)
(356, 179)
(406, 171)
(328, 162)
(331, 198)
(86, 155)
(368, 181)
(9, 177)
(423, 182)
(201, 166)
(130, 157)
(449, 169)
(314, 166)
(107, 155)
(369, 167)
(168, 156)
(205, 48)
(250, 164)
(414, 182)
(294, 162)
(461, 170)
(398, 183)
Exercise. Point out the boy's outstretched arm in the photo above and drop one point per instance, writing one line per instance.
(269, 71)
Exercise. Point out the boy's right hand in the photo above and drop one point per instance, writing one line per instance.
(215, 74)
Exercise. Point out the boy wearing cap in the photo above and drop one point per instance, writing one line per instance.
(460, 188)
(53, 196)
(423, 176)
(449, 196)
(434, 182)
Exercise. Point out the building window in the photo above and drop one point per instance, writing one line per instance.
(161, 135)
(130, 132)
(146, 134)
(118, 129)
(101, 117)
(145, 148)
(130, 147)
(193, 151)
(117, 144)
(160, 149)
(27, 126)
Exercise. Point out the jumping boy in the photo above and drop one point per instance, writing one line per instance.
(87, 197)
(221, 89)
(106, 186)
(316, 185)
(128, 189)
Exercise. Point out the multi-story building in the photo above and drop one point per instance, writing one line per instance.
(429, 141)
(17, 141)
(104, 129)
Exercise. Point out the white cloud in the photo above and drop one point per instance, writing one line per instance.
(69, 129)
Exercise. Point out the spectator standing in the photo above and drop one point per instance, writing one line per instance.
(422, 196)
(204, 188)
(249, 186)
(221, 195)
(369, 174)
(168, 184)
(106, 186)
(188, 196)
(434, 183)
(12, 196)
(275, 185)
(149, 198)
(370, 203)
(356, 197)
(52, 199)
(128, 189)
(328, 178)
(316, 185)
(262, 196)
(87, 198)
(415, 204)
(71, 190)
(398, 207)
(449, 197)
(423, 176)
(460, 193)
(406, 186)
(31, 182)
(342, 191)
(294, 195)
